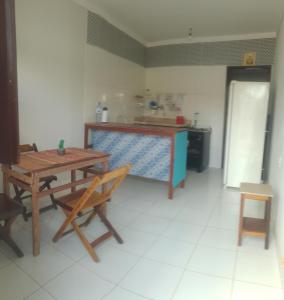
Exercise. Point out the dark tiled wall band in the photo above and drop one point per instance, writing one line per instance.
(106, 36)
(215, 53)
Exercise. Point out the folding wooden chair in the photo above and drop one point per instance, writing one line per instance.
(46, 181)
(91, 202)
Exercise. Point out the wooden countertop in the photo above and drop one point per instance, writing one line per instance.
(135, 128)
(256, 189)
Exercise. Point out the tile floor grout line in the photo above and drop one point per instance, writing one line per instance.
(34, 292)
(185, 268)
(117, 284)
(41, 288)
(232, 280)
(57, 275)
(137, 294)
(259, 284)
(66, 255)
(40, 284)
(197, 244)
(95, 273)
(107, 294)
(164, 263)
(140, 257)
(182, 275)
(47, 291)
(123, 277)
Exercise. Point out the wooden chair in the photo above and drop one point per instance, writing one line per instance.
(9, 210)
(46, 181)
(91, 202)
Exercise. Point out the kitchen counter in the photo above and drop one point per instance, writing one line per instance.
(136, 128)
(155, 152)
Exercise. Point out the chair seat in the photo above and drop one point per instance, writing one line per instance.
(91, 202)
(9, 208)
(71, 200)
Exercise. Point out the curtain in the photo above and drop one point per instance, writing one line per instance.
(9, 121)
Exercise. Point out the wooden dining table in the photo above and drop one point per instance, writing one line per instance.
(33, 166)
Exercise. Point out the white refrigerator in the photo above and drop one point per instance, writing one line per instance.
(245, 137)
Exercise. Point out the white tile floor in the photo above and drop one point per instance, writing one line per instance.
(174, 250)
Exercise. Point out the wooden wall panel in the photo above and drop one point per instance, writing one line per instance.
(9, 123)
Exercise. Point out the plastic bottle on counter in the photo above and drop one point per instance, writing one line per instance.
(104, 115)
(99, 111)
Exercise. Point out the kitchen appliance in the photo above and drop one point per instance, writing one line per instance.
(198, 149)
(245, 137)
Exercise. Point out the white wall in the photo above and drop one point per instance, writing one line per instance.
(61, 78)
(50, 45)
(51, 37)
(204, 87)
(276, 174)
(114, 81)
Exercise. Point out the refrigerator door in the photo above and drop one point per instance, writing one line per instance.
(247, 114)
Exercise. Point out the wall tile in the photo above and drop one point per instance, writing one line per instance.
(104, 35)
(214, 53)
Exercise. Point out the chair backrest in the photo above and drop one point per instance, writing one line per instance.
(28, 148)
(110, 181)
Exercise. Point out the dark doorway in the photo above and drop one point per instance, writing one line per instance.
(9, 128)
(256, 74)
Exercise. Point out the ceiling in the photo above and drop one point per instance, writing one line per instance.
(160, 20)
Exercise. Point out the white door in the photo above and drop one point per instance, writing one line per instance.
(247, 114)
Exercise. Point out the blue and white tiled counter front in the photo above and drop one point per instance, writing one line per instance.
(155, 153)
(148, 154)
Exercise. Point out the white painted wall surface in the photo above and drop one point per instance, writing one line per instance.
(204, 87)
(276, 174)
(50, 47)
(56, 67)
(114, 81)
(51, 39)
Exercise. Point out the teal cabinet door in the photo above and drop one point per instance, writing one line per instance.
(180, 158)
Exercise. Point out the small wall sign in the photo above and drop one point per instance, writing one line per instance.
(249, 59)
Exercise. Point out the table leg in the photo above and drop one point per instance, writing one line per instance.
(241, 220)
(182, 184)
(35, 215)
(171, 191)
(73, 179)
(105, 167)
(267, 220)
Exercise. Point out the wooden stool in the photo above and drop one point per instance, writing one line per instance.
(254, 226)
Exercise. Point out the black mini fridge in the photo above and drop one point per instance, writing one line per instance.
(198, 149)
